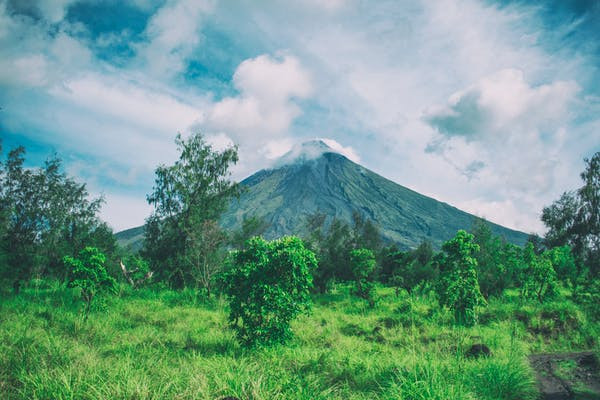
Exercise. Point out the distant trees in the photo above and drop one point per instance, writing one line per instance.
(268, 285)
(333, 240)
(46, 215)
(182, 238)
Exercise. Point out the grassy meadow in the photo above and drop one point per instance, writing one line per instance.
(162, 344)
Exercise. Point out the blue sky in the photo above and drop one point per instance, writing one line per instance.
(490, 106)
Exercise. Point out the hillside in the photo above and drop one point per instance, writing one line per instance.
(313, 178)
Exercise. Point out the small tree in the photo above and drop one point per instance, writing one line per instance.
(458, 287)
(539, 277)
(205, 253)
(89, 274)
(362, 265)
(268, 285)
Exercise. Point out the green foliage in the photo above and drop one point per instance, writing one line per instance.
(458, 287)
(362, 265)
(182, 239)
(251, 226)
(408, 270)
(332, 246)
(493, 271)
(136, 271)
(563, 264)
(87, 272)
(268, 285)
(539, 277)
(155, 345)
(574, 220)
(47, 215)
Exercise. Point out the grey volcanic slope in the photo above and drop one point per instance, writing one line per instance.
(335, 186)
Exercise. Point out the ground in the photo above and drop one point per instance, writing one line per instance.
(161, 344)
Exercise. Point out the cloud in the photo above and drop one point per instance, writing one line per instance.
(172, 35)
(503, 104)
(268, 87)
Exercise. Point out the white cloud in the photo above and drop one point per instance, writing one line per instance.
(173, 33)
(265, 105)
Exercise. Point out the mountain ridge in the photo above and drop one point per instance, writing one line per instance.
(327, 182)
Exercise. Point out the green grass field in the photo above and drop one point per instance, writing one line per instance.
(161, 344)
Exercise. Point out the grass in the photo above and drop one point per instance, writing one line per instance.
(160, 344)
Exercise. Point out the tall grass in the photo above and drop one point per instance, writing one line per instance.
(160, 344)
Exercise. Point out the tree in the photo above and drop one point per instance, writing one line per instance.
(539, 278)
(332, 245)
(205, 252)
(362, 265)
(268, 285)
(87, 272)
(492, 272)
(457, 286)
(47, 216)
(563, 264)
(365, 234)
(409, 270)
(194, 190)
(574, 220)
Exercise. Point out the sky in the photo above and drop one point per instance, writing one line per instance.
(490, 106)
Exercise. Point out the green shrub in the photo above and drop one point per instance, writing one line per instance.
(458, 287)
(268, 285)
(89, 274)
(362, 265)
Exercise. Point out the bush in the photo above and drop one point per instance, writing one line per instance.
(362, 264)
(268, 285)
(89, 274)
(458, 287)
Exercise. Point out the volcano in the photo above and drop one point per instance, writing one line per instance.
(315, 178)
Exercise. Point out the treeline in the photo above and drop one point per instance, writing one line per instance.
(49, 228)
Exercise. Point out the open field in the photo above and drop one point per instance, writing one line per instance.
(158, 344)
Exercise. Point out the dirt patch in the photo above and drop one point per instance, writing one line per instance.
(567, 376)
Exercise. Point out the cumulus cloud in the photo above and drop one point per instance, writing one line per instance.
(268, 87)
(502, 105)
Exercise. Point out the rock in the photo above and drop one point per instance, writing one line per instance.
(478, 350)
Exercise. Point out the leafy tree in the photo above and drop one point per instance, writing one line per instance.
(268, 285)
(411, 269)
(492, 271)
(365, 234)
(205, 252)
(539, 278)
(458, 287)
(194, 190)
(563, 264)
(332, 245)
(89, 274)
(47, 216)
(574, 220)
(362, 265)
(391, 259)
